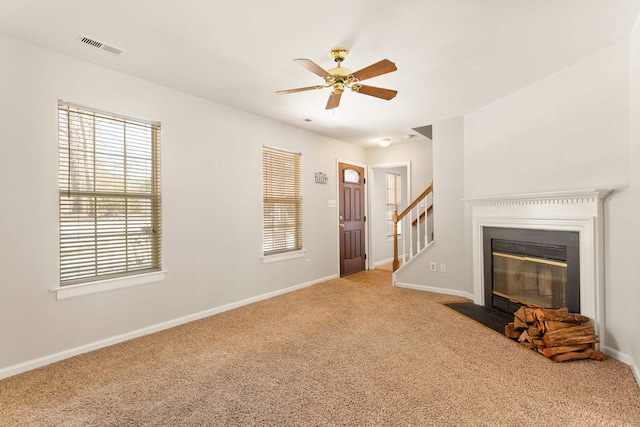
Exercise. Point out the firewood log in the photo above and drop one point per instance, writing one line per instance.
(570, 336)
(526, 314)
(540, 326)
(520, 314)
(519, 323)
(524, 337)
(530, 314)
(534, 332)
(543, 314)
(511, 331)
(551, 325)
(575, 330)
(588, 339)
(552, 351)
(587, 354)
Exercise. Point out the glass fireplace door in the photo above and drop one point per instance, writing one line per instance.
(530, 280)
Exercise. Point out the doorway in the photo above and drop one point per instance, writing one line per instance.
(380, 250)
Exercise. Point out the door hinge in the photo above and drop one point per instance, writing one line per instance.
(365, 218)
(365, 256)
(364, 180)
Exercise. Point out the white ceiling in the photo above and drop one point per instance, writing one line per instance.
(453, 56)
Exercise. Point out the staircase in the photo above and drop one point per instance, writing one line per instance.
(415, 222)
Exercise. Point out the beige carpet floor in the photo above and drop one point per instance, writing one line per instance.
(346, 352)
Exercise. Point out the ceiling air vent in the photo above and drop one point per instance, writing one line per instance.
(100, 45)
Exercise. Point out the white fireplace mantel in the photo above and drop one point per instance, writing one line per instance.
(579, 210)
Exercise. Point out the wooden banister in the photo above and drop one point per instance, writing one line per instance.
(415, 202)
(398, 217)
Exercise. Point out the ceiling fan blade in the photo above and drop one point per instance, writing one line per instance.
(313, 67)
(378, 92)
(300, 89)
(334, 100)
(379, 68)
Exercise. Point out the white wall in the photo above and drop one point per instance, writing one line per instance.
(417, 151)
(449, 220)
(212, 183)
(567, 131)
(571, 131)
(629, 275)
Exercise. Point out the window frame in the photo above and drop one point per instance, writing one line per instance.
(393, 199)
(140, 232)
(281, 204)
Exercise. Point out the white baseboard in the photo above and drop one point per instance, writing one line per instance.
(65, 354)
(383, 262)
(618, 355)
(624, 358)
(445, 291)
(636, 371)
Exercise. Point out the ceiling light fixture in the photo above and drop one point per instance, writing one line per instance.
(384, 142)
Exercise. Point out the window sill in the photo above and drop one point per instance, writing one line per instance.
(71, 291)
(283, 257)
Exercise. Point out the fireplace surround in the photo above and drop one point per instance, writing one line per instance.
(579, 211)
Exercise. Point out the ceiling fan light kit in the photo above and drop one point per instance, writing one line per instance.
(339, 78)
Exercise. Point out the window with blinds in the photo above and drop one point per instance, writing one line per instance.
(109, 181)
(282, 201)
(393, 201)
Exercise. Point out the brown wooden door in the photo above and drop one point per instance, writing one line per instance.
(351, 211)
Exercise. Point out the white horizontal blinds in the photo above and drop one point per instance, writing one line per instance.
(109, 182)
(282, 201)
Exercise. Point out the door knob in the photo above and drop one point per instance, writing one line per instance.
(341, 225)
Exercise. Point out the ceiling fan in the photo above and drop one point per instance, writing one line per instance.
(339, 78)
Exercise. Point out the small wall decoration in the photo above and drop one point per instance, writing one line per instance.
(321, 178)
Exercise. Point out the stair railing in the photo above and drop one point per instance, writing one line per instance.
(413, 217)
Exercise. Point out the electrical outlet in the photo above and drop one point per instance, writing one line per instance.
(443, 267)
(433, 266)
(308, 263)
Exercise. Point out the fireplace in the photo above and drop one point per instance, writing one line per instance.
(579, 212)
(531, 267)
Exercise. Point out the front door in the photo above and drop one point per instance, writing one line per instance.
(351, 211)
